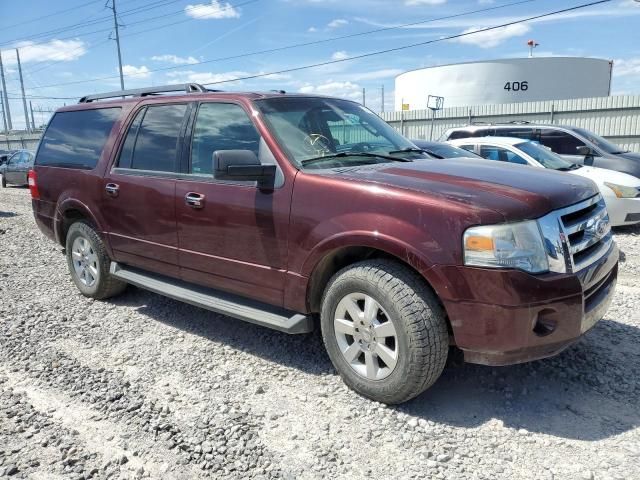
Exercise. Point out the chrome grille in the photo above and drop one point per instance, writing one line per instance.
(576, 236)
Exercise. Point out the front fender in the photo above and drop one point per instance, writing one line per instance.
(371, 239)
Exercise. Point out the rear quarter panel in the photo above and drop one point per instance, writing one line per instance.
(63, 189)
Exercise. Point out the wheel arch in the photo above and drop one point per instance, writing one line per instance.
(337, 255)
(68, 212)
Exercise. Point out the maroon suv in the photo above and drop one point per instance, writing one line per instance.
(273, 208)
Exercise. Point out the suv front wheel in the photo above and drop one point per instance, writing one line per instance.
(384, 330)
(89, 263)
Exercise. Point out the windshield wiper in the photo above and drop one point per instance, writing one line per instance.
(573, 166)
(410, 149)
(354, 154)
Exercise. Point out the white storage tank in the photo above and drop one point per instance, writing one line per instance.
(504, 81)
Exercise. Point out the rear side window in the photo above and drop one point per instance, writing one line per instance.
(526, 133)
(501, 154)
(76, 139)
(560, 142)
(459, 134)
(152, 139)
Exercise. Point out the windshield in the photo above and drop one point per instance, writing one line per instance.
(547, 158)
(449, 151)
(600, 142)
(328, 132)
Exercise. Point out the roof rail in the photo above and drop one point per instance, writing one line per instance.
(511, 122)
(142, 92)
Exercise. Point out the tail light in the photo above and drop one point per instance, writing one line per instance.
(33, 185)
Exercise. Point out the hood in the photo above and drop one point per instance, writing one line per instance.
(629, 155)
(601, 175)
(514, 191)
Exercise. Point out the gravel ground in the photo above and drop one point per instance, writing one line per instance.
(143, 386)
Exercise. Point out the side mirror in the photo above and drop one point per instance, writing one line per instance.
(586, 151)
(242, 165)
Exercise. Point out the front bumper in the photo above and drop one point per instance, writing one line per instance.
(623, 211)
(502, 317)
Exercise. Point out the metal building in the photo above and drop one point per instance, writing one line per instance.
(504, 81)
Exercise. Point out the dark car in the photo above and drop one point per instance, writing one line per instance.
(282, 209)
(15, 170)
(4, 156)
(443, 150)
(577, 145)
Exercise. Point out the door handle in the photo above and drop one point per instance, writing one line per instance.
(194, 200)
(112, 189)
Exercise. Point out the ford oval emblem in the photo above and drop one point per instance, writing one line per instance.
(601, 227)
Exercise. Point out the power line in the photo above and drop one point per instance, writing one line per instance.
(404, 47)
(87, 23)
(292, 46)
(389, 50)
(125, 13)
(53, 14)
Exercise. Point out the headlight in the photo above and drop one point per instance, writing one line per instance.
(623, 192)
(512, 245)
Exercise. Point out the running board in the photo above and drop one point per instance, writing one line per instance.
(214, 300)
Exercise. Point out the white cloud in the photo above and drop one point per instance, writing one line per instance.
(213, 10)
(338, 22)
(626, 67)
(206, 77)
(139, 72)
(486, 2)
(412, 3)
(53, 50)
(492, 38)
(349, 90)
(376, 74)
(175, 59)
(312, 29)
(340, 55)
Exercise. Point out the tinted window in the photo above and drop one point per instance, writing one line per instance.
(470, 148)
(459, 134)
(527, 133)
(220, 126)
(449, 151)
(126, 154)
(560, 142)
(600, 142)
(155, 141)
(501, 154)
(76, 139)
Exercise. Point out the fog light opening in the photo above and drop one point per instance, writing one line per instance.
(544, 325)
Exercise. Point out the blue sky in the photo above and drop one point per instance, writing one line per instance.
(54, 52)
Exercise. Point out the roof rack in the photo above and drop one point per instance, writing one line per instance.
(143, 92)
(512, 122)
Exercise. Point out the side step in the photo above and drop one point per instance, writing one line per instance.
(214, 300)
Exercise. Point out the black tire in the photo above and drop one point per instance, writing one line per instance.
(105, 285)
(418, 318)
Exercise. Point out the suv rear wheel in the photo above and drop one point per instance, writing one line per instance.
(89, 263)
(384, 330)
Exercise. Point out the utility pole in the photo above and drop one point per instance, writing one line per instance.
(382, 98)
(6, 99)
(24, 99)
(4, 119)
(115, 25)
(364, 99)
(33, 123)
